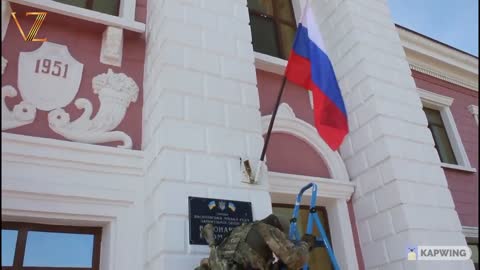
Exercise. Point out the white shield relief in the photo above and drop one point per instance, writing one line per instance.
(49, 77)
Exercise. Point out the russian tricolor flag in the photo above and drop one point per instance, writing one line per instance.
(310, 67)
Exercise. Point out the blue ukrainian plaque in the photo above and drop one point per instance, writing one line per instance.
(224, 215)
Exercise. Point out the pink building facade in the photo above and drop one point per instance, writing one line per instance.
(131, 107)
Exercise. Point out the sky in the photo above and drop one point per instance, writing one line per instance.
(454, 22)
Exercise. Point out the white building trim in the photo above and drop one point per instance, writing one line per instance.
(470, 232)
(442, 76)
(6, 11)
(473, 109)
(438, 51)
(65, 154)
(333, 194)
(270, 63)
(66, 183)
(328, 188)
(68, 210)
(125, 20)
(442, 103)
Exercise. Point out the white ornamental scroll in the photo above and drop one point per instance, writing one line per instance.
(115, 91)
(22, 114)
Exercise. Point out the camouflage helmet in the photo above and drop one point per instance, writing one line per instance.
(279, 222)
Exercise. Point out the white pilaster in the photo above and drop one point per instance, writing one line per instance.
(6, 10)
(402, 198)
(201, 114)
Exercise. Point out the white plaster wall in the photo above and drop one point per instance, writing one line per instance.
(201, 114)
(66, 183)
(402, 198)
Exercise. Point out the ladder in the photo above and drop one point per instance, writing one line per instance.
(322, 240)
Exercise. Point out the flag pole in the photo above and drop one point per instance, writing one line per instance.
(270, 127)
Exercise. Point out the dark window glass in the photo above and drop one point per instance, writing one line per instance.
(440, 136)
(9, 240)
(319, 258)
(32, 246)
(103, 6)
(262, 6)
(58, 249)
(263, 34)
(273, 26)
(77, 3)
(106, 6)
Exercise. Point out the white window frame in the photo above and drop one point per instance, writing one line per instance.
(274, 64)
(473, 109)
(124, 20)
(442, 103)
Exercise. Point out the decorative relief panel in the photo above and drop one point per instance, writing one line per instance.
(22, 114)
(49, 77)
(115, 91)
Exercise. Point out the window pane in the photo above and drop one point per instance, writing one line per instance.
(106, 6)
(318, 257)
(283, 10)
(262, 6)
(433, 116)
(264, 36)
(9, 241)
(58, 249)
(77, 3)
(443, 145)
(288, 34)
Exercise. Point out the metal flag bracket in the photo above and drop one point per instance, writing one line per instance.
(249, 175)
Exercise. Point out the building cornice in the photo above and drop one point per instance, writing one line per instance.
(439, 60)
(444, 77)
(438, 50)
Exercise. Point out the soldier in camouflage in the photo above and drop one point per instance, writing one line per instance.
(252, 245)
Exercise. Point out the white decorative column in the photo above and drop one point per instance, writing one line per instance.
(402, 198)
(200, 116)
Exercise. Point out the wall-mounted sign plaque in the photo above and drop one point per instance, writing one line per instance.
(224, 215)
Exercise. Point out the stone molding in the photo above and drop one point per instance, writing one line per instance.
(435, 49)
(444, 77)
(289, 184)
(112, 46)
(64, 154)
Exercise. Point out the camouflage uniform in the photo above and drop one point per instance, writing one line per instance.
(250, 246)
